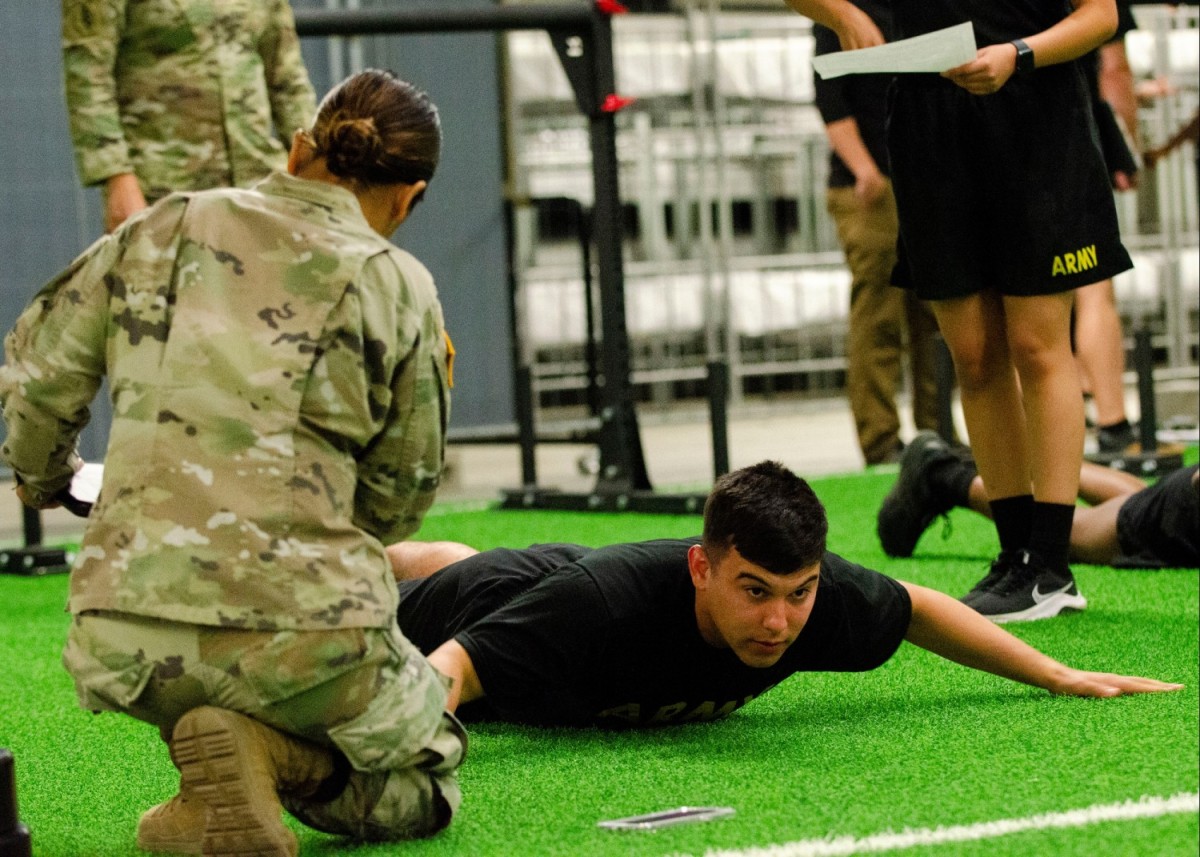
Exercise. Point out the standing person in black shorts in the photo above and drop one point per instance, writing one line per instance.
(1128, 523)
(1005, 209)
(683, 630)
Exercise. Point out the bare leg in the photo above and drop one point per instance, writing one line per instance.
(1039, 341)
(977, 499)
(1047, 395)
(415, 560)
(974, 330)
(1100, 350)
(1098, 483)
(1094, 532)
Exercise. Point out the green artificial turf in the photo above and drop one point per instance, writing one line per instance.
(918, 743)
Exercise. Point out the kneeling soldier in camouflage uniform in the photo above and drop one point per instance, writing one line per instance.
(279, 376)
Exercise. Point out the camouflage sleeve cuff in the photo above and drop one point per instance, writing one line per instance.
(98, 165)
(92, 31)
(41, 493)
(37, 498)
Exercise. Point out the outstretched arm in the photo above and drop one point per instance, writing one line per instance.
(949, 628)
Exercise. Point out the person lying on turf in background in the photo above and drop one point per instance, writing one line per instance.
(680, 630)
(1129, 524)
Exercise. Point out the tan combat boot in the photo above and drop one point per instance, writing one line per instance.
(236, 767)
(173, 827)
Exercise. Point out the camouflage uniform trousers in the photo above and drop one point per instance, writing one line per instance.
(367, 692)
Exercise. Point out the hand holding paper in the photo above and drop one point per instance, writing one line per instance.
(84, 490)
(930, 52)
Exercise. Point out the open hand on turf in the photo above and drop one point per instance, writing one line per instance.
(1082, 683)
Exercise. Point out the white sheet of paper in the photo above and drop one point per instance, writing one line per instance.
(936, 51)
(85, 484)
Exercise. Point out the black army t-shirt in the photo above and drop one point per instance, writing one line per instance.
(564, 635)
(994, 21)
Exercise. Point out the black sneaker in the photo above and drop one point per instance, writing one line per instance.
(999, 569)
(910, 507)
(1021, 588)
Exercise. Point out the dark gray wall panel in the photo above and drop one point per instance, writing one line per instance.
(45, 218)
(459, 230)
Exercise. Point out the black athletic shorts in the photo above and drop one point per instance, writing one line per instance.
(434, 609)
(1160, 527)
(1005, 192)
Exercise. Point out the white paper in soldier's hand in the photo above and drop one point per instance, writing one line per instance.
(85, 484)
(930, 52)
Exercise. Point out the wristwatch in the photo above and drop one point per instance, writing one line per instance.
(1024, 57)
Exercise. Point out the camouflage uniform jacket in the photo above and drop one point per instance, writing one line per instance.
(278, 375)
(182, 93)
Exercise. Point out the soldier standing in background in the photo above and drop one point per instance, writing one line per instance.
(279, 375)
(180, 96)
(885, 321)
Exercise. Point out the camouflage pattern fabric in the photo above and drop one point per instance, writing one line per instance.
(277, 372)
(369, 693)
(183, 93)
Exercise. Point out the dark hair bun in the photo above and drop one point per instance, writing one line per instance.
(375, 129)
(353, 146)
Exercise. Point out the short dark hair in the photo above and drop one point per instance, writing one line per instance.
(769, 514)
(375, 129)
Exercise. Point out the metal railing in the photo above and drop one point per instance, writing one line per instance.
(723, 162)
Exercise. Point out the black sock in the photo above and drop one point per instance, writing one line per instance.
(1050, 536)
(951, 481)
(1116, 437)
(1014, 521)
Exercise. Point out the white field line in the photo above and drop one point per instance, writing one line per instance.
(1146, 807)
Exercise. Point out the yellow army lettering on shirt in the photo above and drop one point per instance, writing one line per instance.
(1083, 259)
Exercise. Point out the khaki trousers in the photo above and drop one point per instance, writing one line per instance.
(885, 321)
